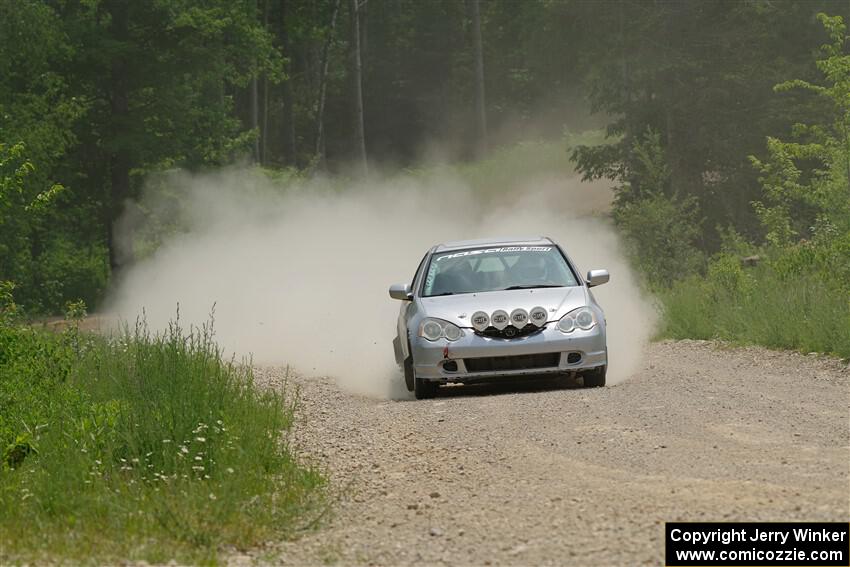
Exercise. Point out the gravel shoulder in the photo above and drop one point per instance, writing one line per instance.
(534, 474)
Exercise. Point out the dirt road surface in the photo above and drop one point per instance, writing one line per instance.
(536, 475)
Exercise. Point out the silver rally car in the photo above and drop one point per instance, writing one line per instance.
(479, 310)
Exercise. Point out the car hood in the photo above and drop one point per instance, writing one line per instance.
(459, 308)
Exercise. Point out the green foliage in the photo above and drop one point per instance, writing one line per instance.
(33, 383)
(8, 308)
(46, 266)
(765, 305)
(798, 295)
(661, 232)
(97, 94)
(807, 183)
(704, 84)
(75, 310)
(14, 228)
(141, 447)
(105, 93)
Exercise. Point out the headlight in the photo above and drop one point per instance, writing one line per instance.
(434, 329)
(431, 329)
(567, 324)
(452, 332)
(583, 318)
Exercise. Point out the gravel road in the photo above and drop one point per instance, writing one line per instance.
(537, 475)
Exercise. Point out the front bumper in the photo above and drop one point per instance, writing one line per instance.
(431, 358)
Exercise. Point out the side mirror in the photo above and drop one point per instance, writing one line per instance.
(401, 291)
(597, 277)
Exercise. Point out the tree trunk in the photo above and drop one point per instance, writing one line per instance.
(255, 107)
(624, 66)
(255, 117)
(323, 81)
(480, 112)
(289, 147)
(265, 112)
(119, 158)
(363, 23)
(357, 83)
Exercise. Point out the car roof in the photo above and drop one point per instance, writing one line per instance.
(480, 242)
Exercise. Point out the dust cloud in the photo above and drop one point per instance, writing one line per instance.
(299, 273)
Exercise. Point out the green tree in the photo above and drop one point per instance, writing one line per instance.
(22, 208)
(807, 182)
(160, 77)
(701, 74)
(662, 231)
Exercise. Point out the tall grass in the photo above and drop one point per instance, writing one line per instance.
(804, 313)
(157, 449)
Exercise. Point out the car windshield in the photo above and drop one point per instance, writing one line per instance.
(494, 269)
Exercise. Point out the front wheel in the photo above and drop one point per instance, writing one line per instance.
(408, 373)
(595, 378)
(424, 389)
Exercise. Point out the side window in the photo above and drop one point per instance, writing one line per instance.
(418, 269)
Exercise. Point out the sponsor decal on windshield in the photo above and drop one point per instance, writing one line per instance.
(494, 250)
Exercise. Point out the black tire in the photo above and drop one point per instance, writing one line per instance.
(408, 373)
(423, 389)
(595, 378)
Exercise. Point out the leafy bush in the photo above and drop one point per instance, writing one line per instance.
(49, 263)
(799, 295)
(68, 272)
(142, 447)
(660, 235)
(772, 304)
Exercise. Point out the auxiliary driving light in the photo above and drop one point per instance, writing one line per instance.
(538, 316)
(480, 321)
(499, 319)
(519, 318)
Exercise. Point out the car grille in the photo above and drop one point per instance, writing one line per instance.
(510, 332)
(521, 362)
